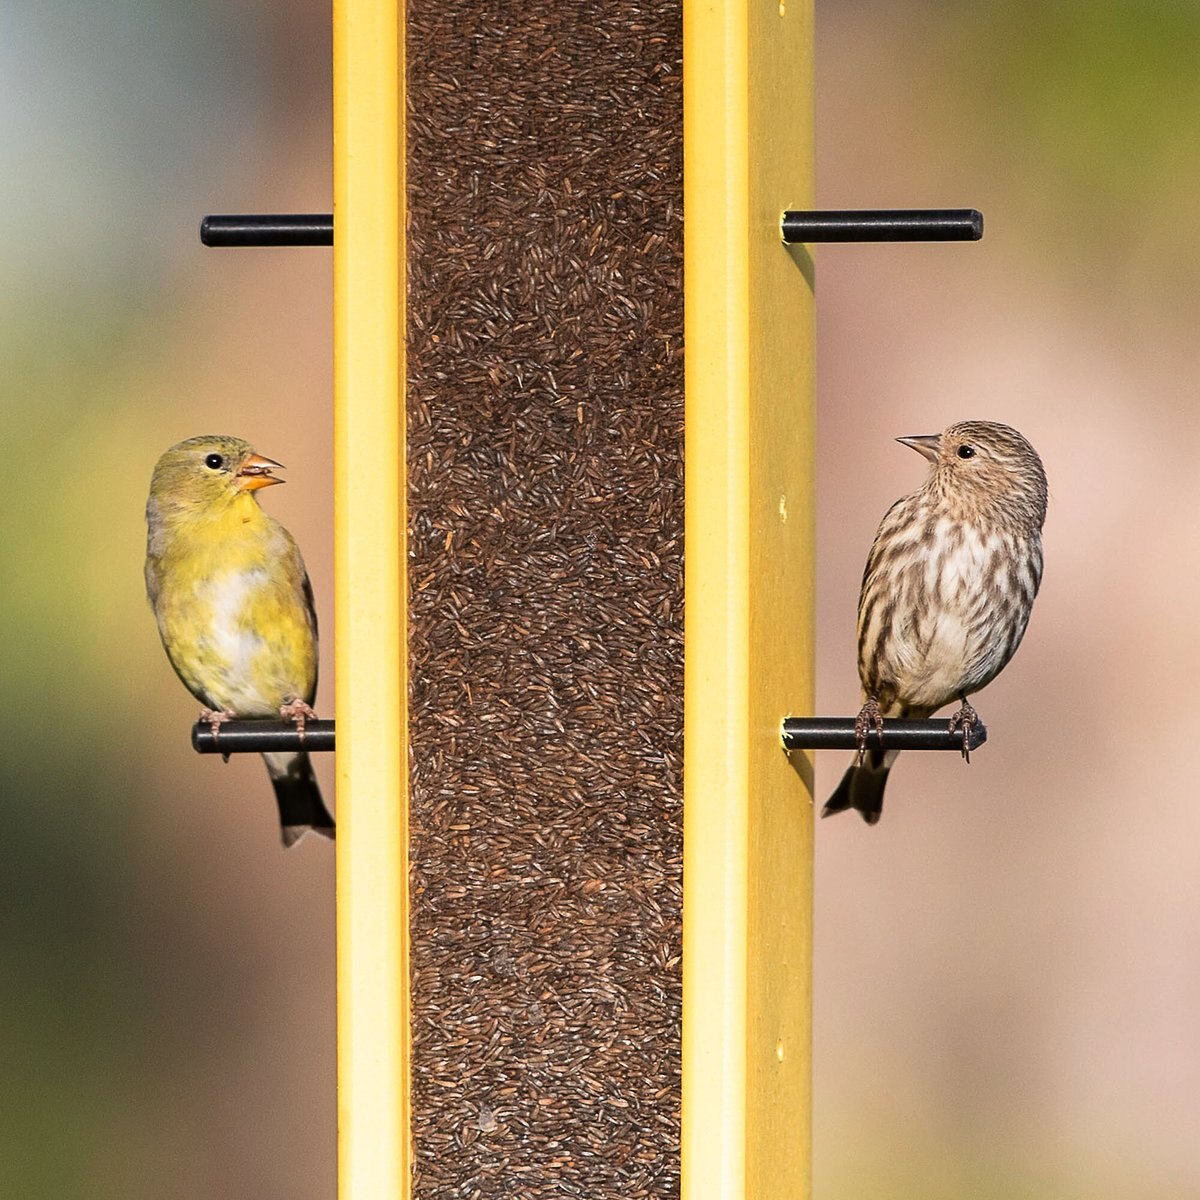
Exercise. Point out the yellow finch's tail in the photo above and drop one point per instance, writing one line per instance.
(300, 805)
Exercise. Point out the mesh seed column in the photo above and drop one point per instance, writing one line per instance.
(539, 349)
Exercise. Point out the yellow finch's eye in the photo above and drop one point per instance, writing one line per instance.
(963, 452)
(215, 462)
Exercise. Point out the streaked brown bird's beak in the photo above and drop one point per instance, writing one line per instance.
(926, 444)
(255, 473)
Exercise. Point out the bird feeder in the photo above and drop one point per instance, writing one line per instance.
(568, 241)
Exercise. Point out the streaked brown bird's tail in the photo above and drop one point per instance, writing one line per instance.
(301, 808)
(862, 787)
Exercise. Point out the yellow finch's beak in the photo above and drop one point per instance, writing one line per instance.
(255, 473)
(926, 444)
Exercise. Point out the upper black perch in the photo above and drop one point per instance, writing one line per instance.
(866, 225)
(280, 229)
(245, 737)
(837, 733)
(885, 225)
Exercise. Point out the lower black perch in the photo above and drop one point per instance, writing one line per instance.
(258, 737)
(837, 733)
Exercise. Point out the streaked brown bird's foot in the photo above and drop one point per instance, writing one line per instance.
(297, 712)
(965, 719)
(870, 716)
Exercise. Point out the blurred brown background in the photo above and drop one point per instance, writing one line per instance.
(1008, 968)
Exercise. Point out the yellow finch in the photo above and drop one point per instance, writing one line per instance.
(947, 590)
(234, 605)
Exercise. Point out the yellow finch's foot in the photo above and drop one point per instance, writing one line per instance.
(215, 718)
(297, 712)
(965, 719)
(869, 716)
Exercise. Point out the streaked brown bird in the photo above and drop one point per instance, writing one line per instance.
(947, 590)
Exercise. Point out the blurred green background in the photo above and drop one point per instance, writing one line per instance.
(1008, 969)
(166, 971)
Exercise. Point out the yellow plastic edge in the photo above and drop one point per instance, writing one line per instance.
(715, 762)
(748, 330)
(374, 1151)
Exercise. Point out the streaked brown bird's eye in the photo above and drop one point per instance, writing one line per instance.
(214, 462)
(966, 452)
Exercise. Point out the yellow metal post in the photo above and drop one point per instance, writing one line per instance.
(748, 333)
(372, 767)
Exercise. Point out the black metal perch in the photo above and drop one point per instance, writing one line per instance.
(279, 229)
(257, 737)
(863, 225)
(884, 225)
(837, 733)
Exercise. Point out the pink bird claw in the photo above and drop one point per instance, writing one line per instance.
(298, 712)
(870, 716)
(965, 719)
(215, 718)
